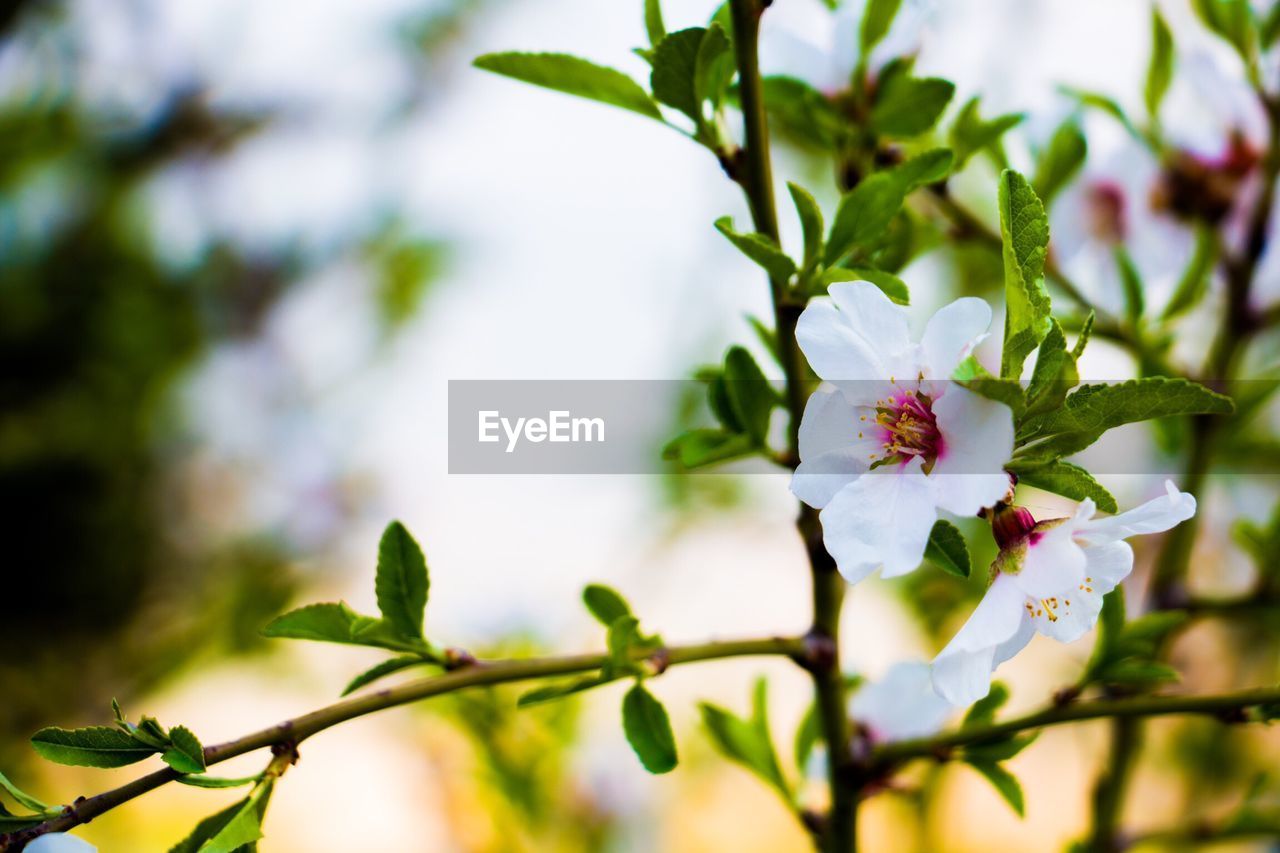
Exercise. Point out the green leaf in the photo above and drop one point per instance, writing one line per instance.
(1194, 282)
(653, 24)
(1232, 20)
(1024, 230)
(762, 249)
(1083, 339)
(863, 215)
(1094, 409)
(947, 550)
(96, 746)
(387, 667)
(1055, 372)
(802, 113)
(605, 603)
(1160, 67)
(1059, 162)
(329, 622)
(648, 730)
(999, 749)
(1138, 673)
(808, 733)
(810, 224)
(1063, 478)
(401, 583)
(928, 167)
(713, 67)
(624, 634)
(552, 692)
(1106, 105)
(1134, 300)
(186, 755)
(970, 133)
(244, 825)
(573, 76)
(1005, 783)
(1269, 27)
(984, 710)
(893, 287)
(697, 448)
(972, 375)
(748, 742)
(908, 106)
(750, 394)
(675, 63)
(21, 797)
(876, 21)
(196, 780)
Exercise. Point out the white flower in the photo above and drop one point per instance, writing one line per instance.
(1053, 581)
(888, 440)
(900, 706)
(60, 842)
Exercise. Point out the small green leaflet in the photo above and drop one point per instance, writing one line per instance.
(648, 730)
(750, 395)
(653, 24)
(866, 211)
(95, 746)
(970, 133)
(748, 741)
(231, 829)
(1232, 20)
(1024, 230)
(698, 448)
(1060, 160)
(984, 710)
(338, 623)
(876, 21)
(763, 250)
(402, 582)
(1055, 372)
(1135, 301)
(1005, 783)
(810, 224)
(573, 76)
(21, 797)
(947, 550)
(605, 603)
(1194, 282)
(185, 755)
(675, 62)
(1160, 68)
(552, 692)
(387, 667)
(196, 780)
(908, 106)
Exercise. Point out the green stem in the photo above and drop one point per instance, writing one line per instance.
(1226, 705)
(292, 732)
(1108, 792)
(756, 179)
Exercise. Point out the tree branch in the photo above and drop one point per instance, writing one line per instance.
(293, 731)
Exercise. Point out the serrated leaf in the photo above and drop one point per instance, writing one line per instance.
(972, 375)
(1063, 478)
(186, 755)
(402, 582)
(984, 710)
(764, 250)
(648, 730)
(947, 550)
(1194, 282)
(1160, 66)
(675, 62)
(1060, 160)
(1094, 409)
(387, 667)
(1005, 783)
(95, 746)
(749, 392)
(892, 286)
(573, 76)
(811, 224)
(552, 692)
(1055, 372)
(908, 106)
(21, 797)
(1024, 230)
(713, 67)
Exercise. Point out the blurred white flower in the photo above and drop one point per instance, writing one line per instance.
(1050, 577)
(60, 842)
(901, 705)
(888, 440)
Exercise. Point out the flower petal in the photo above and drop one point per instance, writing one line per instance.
(977, 441)
(60, 842)
(1155, 516)
(962, 670)
(1070, 614)
(1054, 563)
(876, 318)
(882, 518)
(836, 352)
(952, 333)
(901, 705)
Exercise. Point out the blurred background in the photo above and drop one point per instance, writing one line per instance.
(243, 248)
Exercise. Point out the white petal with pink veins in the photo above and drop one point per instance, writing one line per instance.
(882, 518)
(977, 436)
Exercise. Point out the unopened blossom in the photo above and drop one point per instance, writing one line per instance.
(889, 440)
(1050, 578)
(60, 842)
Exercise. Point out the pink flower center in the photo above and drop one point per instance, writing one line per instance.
(908, 429)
